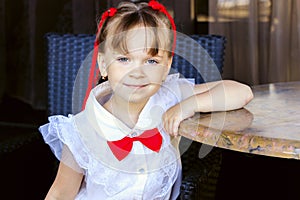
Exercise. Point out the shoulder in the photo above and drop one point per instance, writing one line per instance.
(179, 87)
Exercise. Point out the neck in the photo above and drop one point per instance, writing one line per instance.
(127, 112)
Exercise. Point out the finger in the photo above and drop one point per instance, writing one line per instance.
(166, 124)
(169, 121)
(170, 127)
(175, 127)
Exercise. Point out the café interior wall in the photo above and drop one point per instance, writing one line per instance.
(263, 39)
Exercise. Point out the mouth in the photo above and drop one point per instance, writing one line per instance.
(136, 86)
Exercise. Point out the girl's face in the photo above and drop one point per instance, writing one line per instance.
(135, 76)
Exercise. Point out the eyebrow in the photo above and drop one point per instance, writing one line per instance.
(120, 53)
(157, 56)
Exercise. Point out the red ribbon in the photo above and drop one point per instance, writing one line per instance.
(93, 81)
(152, 139)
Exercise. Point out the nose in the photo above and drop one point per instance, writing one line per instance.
(137, 71)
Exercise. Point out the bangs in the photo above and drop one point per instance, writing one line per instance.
(149, 39)
(143, 29)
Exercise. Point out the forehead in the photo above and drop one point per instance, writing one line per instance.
(139, 38)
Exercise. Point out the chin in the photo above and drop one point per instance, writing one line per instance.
(138, 99)
(140, 95)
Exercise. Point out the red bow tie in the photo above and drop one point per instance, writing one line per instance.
(150, 138)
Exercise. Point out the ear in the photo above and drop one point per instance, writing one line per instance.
(168, 67)
(102, 65)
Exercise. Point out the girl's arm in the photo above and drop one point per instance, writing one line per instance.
(221, 96)
(214, 96)
(66, 184)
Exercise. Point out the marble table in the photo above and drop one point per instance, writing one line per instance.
(268, 125)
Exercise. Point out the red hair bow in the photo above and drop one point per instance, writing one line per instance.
(157, 6)
(109, 13)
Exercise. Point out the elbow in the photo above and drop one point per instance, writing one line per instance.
(242, 91)
(249, 94)
(245, 96)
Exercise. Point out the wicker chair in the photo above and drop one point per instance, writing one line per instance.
(65, 54)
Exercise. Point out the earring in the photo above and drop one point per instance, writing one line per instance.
(102, 79)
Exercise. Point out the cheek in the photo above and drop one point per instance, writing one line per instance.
(116, 75)
(158, 74)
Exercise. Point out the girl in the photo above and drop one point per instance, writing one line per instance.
(121, 146)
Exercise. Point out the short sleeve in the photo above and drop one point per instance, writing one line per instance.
(180, 87)
(61, 135)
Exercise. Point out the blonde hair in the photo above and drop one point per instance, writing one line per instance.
(130, 15)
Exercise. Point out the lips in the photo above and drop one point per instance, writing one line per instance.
(136, 86)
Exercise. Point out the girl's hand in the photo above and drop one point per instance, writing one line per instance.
(176, 114)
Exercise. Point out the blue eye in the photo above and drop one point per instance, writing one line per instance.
(152, 62)
(122, 59)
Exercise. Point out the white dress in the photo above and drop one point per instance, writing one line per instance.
(80, 141)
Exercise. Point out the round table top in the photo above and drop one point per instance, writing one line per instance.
(268, 125)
